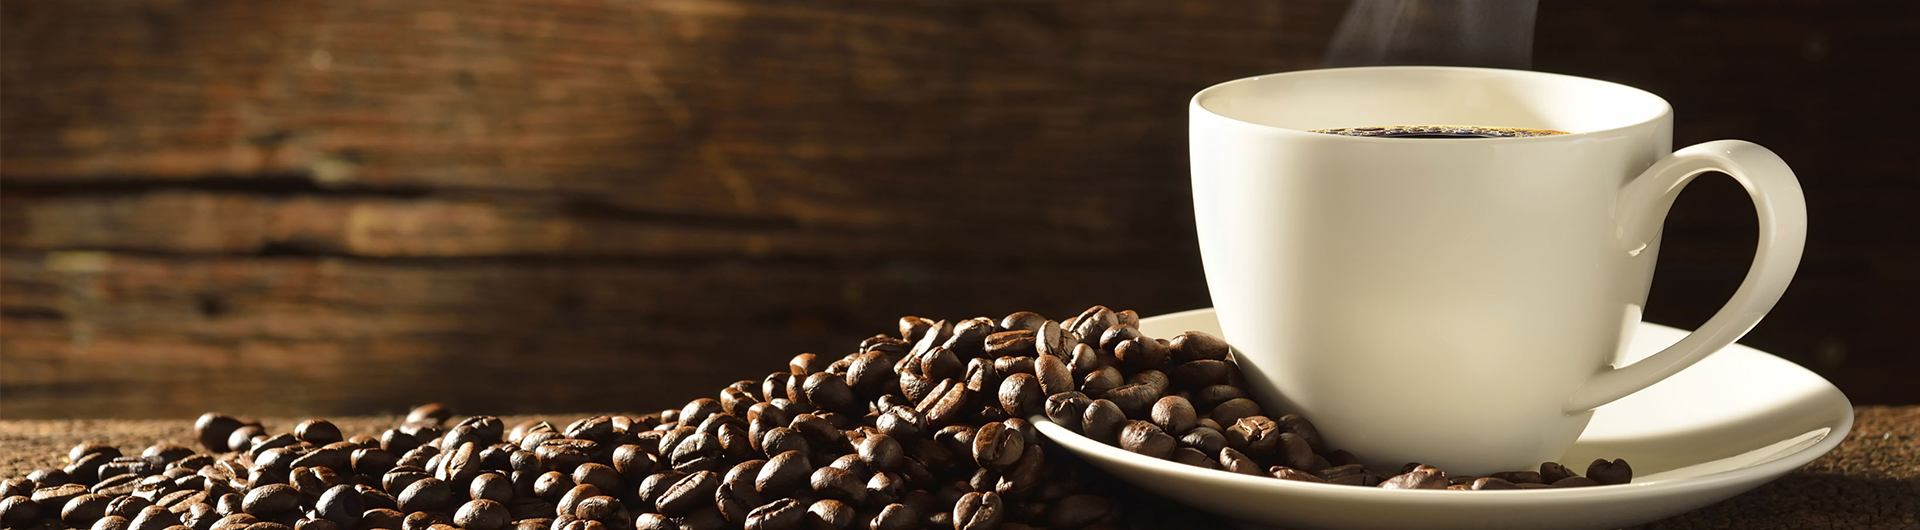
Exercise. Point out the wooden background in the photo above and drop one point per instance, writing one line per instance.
(347, 207)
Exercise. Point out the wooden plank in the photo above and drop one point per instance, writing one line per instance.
(146, 335)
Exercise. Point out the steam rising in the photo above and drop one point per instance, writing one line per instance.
(1491, 33)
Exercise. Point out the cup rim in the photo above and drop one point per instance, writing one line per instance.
(1665, 110)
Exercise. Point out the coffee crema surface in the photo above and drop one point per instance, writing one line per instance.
(1438, 131)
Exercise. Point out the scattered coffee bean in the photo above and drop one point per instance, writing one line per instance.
(1614, 472)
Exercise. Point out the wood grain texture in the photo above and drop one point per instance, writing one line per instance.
(335, 207)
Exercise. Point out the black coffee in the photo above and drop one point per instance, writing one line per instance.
(1438, 131)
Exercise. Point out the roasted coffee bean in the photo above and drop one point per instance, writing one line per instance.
(341, 504)
(1140, 353)
(397, 442)
(870, 372)
(1020, 395)
(1019, 480)
(946, 404)
(885, 488)
(1490, 483)
(154, 518)
(1195, 346)
(688, 493)
(387, 518)
(83, 510)
(1068, 409)
(1233, 460)
(655, 486)
(1022, 320)
(781, 514)
(1174, 415)
(271, 499)
(836, 483)
(1421, 477)
(1092, 323)
(1013, 343)
(212, 431)
(1053, 375)
(978, 511)
(1352, 475)
(829, 514)
(995, 446)
(1260, 436)
(426, 494)
(1520, 477)
(600, 508)
(1111, 338)
(599, 475)
(424, 521)
(1552, 472)
(1084, 360)
(941, 363)
(982, 379)
(17, 511)
(1145, 438)
(1200, 374)
(882, 451)
(112, 522)
(970, 337)
(896, 516)
(52, 498)
(1230, 411)
(652, 521)
(831, 392)
(1100, 381)
(819, 431)
(1287, 473)
(317, 432)
(565, 453)
(1102, 421)
(1575, 482)
(240, 519)
(1135, 400)
(127, 506)
(157, 455)
(16, 486)
(1051, 340)
(569, 502)
(492, 486)
(316, 524)
(1615, 472)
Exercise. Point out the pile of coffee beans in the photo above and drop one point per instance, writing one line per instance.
(1184, 400)
(927, 429)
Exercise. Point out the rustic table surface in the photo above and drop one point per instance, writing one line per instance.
(1870, 481)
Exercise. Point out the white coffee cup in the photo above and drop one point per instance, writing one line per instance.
(1456, 302)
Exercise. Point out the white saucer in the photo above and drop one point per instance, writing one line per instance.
(1736, 420)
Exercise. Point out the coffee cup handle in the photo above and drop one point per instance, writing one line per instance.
(1643, 206)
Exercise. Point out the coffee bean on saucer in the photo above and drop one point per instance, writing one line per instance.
(1551, 472)
(1520, 477)
(1287, 473)
(1068, 409)
(1420, 477)
(1205, 439)
(1020, 395)
(1145, 438)
(1491, 483)
(1102, 421)
(1195, 346)
(1575, 482)
(1235, 461)
(1232, 410)
(1615, 472)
